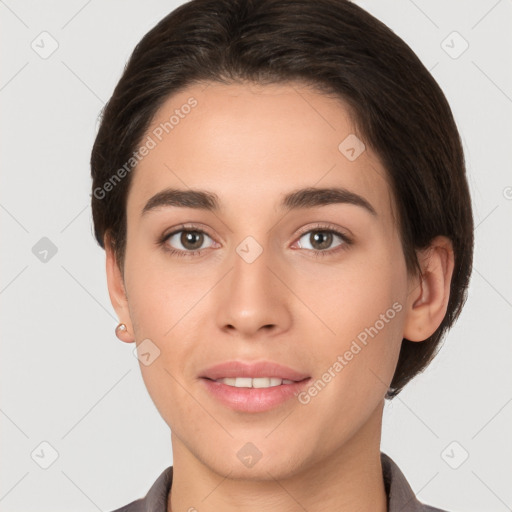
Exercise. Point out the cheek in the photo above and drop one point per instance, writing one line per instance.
(159, 293)
(353, 297)
(164, 310)
(363, 306)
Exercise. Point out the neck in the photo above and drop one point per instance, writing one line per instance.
(349, 479)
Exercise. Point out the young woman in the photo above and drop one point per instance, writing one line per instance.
(281, 193)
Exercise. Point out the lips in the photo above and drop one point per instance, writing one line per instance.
(253, 400)
(234, 369)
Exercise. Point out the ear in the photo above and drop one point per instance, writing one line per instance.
(117, 292)
(429, 293)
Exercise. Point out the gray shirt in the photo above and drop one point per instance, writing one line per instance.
(401, 497)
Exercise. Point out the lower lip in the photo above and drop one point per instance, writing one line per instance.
(253, 399)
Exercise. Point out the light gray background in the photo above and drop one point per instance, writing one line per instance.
(65, 377)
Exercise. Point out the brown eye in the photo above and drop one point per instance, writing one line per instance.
(320, 239)
(189, 240)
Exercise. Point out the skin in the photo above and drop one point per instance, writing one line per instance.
(251, 144)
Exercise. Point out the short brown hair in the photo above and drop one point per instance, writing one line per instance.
(340, 49)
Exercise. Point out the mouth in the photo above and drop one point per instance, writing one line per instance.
(256, 382)
(252, 387)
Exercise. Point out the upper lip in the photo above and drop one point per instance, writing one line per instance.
(252, 370)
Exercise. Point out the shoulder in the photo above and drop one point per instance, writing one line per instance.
(155, 499)
(400, 494)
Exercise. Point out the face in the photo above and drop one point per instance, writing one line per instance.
(315, 282)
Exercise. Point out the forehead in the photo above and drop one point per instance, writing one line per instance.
(250, 144)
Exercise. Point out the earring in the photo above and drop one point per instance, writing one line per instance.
(122, 333)
(121, 328)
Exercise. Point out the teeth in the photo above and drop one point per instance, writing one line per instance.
(259, 382)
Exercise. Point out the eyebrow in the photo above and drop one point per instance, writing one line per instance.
(298, 199)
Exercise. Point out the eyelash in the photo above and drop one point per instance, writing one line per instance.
(317, 253)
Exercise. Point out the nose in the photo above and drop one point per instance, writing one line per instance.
(254, 296)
